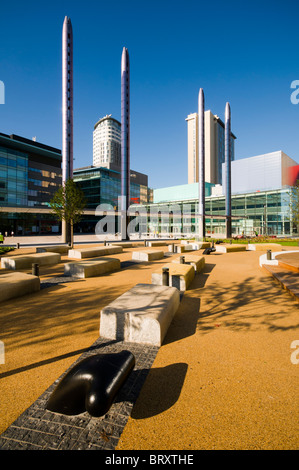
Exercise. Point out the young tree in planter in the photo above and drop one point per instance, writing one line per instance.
(68, 204)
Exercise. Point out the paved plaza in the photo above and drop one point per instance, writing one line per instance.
(222, 379)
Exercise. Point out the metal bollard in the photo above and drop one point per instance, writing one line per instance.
(35, 269)
(18, 245)
(165, 276)
(269, 254)
(105, 242)
(182, 259)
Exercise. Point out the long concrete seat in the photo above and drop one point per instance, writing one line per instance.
(196, 245)
(141, 315)
(230, 248)
(198, 262)
(26, 261)
(14, 285)
(94, 252)
(180, 275)
(147, 255)
(63, 249)
(263, 246)
(91, 268)
(157, 243)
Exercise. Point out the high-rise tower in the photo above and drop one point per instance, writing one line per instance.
(67, 100)
(125, 141)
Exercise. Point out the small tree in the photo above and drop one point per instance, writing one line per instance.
(294, 205)
(68, 204)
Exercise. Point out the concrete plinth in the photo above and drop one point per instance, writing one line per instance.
(141, 315)
(26, 261)
(147, 255)
(94, 252)
(63, 249)
(198, 262)
(157, 243)
(230, 248)
(92, 268)
(264, 246)
(180, 275)
(14, 285)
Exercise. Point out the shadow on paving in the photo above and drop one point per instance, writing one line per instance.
(163, 388)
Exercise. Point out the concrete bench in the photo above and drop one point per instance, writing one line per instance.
(198, 262)
(91, 268)
(26, 261)
(62, 249)
(141, 315)
(94, 252)
(147, 255)
(157, 243)
(263, 247)
(14, 285)
(230, 248)
(196, 245)
(180, 275)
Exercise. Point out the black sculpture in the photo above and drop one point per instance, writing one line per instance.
(92, 384)
(207, 251)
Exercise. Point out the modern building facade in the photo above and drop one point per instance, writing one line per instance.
(107, 143)
(103, 186)
(259, 202)
(30, 174)
(214, 147)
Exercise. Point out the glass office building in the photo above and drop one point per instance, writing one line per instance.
(30, 174)
(259, 213)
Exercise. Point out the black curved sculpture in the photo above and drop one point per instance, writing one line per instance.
(92, 384)
(207, 251)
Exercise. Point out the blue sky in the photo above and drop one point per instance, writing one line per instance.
(242, 52)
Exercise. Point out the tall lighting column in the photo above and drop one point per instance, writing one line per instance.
(125, 142)
(67, 109)
(201, 164)
(228, 170)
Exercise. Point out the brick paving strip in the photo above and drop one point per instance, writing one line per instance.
(40, 429)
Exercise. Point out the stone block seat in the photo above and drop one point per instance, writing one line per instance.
(180, 275)
(230, 248)
(198, 262)
(63, 249)
(140, 315)
(94, 252)
(157, 243)
(26, 261)
(147, 255)
(196, 245)
(185, 247)
(14, 285)
(91, 268)
(264, 247)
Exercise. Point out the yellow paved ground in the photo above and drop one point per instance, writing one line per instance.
(223, 378)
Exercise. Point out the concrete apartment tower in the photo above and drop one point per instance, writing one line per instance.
(228, 170)
(125, 141)
(67, 108)
(201, 164)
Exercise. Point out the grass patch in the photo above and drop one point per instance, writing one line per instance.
(6, 249)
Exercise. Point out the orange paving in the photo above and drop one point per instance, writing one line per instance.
(223, 379)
